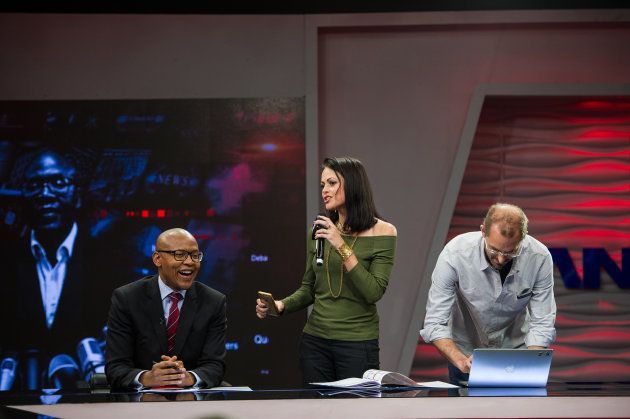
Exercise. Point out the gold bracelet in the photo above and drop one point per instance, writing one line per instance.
(345, 252)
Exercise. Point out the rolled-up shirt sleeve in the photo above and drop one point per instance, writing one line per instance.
(542, 307)
(440, 301)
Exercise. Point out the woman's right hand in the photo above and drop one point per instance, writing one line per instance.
(261, 307)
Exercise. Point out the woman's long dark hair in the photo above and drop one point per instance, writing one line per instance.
(361, 212)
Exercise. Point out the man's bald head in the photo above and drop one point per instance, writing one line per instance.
(510, 220)
(173, 256)
(168, 235)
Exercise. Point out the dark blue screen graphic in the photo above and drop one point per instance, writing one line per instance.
(87, 186)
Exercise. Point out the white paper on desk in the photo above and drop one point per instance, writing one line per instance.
(350, 383)
(375, 375)
(378, 378)
(389, 378)
(360, 392)
(437, 384)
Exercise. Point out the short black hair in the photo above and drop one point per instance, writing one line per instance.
(80, 160)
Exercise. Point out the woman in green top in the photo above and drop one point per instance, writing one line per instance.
(340, 339)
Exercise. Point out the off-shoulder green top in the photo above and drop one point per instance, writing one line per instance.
(352, 315)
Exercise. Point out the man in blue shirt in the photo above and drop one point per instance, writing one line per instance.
(490, 289)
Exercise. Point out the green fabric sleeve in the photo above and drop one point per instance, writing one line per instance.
(345, 309)
(371, 281)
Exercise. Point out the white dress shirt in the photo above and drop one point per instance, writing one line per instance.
(51, 278)
(468, 303)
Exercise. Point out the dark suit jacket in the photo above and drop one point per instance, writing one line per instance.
(137, 332)
(83, 303)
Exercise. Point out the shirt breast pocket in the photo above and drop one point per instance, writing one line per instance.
(521, 299)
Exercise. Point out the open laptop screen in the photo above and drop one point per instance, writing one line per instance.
(510, 367)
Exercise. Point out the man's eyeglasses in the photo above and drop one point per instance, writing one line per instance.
(56, 184)
(182, 255)
(510, 255)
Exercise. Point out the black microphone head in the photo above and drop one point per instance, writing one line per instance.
(317, 226)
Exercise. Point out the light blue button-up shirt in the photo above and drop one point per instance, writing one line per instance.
(468, 303)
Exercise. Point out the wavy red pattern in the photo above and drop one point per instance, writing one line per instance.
(566, 162)
(602, 335)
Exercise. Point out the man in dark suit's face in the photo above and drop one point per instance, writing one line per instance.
(50, 193)
(177, 258)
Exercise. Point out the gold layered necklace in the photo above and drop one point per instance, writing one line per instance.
(341, 273)
(342, 228)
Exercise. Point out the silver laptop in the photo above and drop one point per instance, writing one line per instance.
(510, 368)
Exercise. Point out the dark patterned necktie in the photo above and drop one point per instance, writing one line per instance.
(173, 320)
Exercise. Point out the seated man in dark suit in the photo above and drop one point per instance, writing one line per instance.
(148, 343)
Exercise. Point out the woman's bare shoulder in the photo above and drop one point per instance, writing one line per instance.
(383, 228)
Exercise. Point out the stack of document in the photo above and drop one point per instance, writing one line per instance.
(353, 386)
(374, 380)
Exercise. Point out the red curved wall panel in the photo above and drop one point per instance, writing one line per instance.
(566, 162)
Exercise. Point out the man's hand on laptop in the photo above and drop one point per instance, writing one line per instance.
(451, 352)
(464, 364)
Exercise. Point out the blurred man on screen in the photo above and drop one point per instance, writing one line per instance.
(167, 329)
(490, 289)
(58, 289)
(53, 201)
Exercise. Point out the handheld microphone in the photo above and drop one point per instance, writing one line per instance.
(7, 373)
(63, 371)
(91, 357)
(319, 245)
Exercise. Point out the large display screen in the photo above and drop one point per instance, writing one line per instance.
(87, 186)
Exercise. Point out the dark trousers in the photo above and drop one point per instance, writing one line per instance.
(323, 360)
(455, 376)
